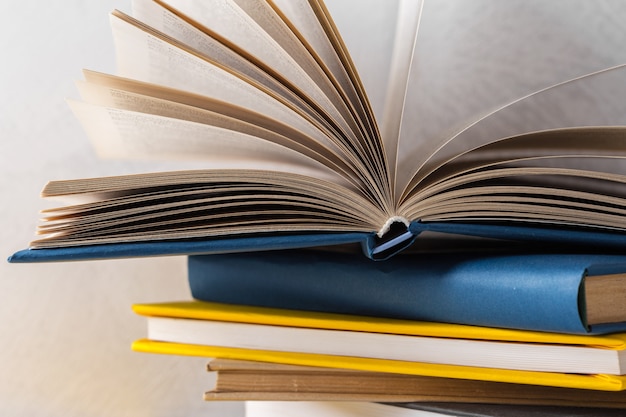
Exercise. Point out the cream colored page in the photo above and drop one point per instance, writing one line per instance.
(576, 148)
(162, 20)
(473, 200)
(368, 28)
(257, 201)
(229, 21)
(303, 19)
(95, 193)
(105, 96)
(146, 58)
(595, 100)
(409, 14)
(279, 30)
(206, 202)
(125, 134)
(473, 57)
(547, 185)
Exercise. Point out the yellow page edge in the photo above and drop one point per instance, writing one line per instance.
(599, 382)
(202, 310)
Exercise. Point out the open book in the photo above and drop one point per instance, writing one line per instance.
(495, 122)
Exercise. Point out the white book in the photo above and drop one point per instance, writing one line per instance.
(434, 350)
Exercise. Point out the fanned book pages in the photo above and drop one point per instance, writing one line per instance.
(488, 118)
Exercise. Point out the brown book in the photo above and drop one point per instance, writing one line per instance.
(257, 381)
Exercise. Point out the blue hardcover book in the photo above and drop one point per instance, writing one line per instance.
(564, 293)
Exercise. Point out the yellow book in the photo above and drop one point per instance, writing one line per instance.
(301, 338)
(593, 382)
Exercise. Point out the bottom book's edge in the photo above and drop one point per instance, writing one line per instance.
(592, 382)
(508, 410)
(360, 408)
(420, 399)
(311, 396)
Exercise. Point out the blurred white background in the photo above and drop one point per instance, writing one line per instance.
(66, 328)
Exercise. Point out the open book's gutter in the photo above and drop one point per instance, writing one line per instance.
(396, 241)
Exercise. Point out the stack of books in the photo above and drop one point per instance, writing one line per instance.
(455, 248)
(312, 325)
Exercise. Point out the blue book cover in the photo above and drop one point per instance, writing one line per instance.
(541, 292)
(371, 245)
